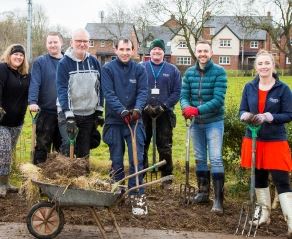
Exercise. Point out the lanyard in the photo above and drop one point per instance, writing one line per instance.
(153, 73)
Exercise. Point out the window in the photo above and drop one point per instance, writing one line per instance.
(254, 44)
(148, 43)
(91, 43)
(182, 44)
(102, 43)
(183, 60)
(225, 43)
(224, 60)
(287, 61)
(212, 31)
(168, 43)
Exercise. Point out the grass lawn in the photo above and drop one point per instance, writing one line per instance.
(100, 156)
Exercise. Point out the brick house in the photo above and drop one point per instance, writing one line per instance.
(103, 36)
(233, 46)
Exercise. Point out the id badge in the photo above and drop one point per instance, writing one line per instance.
(155, 91)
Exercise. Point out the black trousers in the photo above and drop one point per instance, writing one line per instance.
(86, 125)
(47, 136)
(164, 132)
(280, 179)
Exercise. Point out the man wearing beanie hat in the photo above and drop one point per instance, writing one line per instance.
(164, 83)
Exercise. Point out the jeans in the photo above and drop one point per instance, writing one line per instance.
(115, 137)
(207, 140)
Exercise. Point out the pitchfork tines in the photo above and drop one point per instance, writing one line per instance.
(187, 191)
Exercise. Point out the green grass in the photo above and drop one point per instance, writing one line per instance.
(100, 156)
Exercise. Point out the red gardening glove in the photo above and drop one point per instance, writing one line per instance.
(136, 114)
(126, 116)
(190, 112)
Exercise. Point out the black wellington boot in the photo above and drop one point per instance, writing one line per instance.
(203, 178)
(218, 183)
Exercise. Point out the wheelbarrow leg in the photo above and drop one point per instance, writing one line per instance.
(115, 223)
(98, 222)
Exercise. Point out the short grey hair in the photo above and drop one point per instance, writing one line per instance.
(80, 30)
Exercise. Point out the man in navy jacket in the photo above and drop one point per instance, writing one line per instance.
(125, 88)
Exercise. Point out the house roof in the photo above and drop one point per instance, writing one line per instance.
(109, 31)
(232, 22)
(154, 32)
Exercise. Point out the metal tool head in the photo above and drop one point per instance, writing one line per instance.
(249, 218)
(186, 192)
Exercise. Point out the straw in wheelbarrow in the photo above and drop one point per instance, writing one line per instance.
(186, 191)
(250, 212)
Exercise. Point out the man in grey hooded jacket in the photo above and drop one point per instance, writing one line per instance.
(79, 91)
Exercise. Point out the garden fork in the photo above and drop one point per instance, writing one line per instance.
(34, 118)
(250, 210)
(186, 191)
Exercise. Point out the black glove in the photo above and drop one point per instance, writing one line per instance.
(2, 113)
(159, 109)
(126, 116)
(72, 129)
(150, 110)
(99, 120)
(136, 114)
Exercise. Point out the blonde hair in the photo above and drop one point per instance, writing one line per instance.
(6, 58)
(264, 53)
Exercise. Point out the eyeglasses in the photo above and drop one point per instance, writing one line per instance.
(81, 41)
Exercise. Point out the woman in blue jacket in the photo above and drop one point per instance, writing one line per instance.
(267, 101)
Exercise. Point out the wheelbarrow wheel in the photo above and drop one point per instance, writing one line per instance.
(44, 221)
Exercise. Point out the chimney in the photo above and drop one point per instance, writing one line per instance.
(269, 14)
(172, 17)
(207, 14)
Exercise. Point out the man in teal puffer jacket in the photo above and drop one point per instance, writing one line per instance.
(202, 96)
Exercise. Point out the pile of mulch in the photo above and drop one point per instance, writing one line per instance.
(58, 165)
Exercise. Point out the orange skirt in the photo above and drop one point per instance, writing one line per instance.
(269, 155)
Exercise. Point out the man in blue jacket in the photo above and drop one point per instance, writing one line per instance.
(42, 97)
(164, 82)
(124, 84)
(79, 91)
(202, 96)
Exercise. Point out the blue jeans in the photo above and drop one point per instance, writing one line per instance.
(207, 140)
(115, 137)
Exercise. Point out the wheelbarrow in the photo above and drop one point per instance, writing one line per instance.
(250, 210)
(46, 219)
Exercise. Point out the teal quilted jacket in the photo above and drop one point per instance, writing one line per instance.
(206, 91)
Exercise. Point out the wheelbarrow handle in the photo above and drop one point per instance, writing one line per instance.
(115, 185)
(163, 179)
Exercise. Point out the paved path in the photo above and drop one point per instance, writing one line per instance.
(19, 231)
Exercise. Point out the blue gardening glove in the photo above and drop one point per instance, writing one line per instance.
(99, 120)
(71, 125)
(126, 116)
(2, 113)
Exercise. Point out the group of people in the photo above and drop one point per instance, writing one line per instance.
(67, 90)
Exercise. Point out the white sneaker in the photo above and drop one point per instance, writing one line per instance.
(139, 205)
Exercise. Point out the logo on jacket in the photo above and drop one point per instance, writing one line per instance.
(165, 75)
(273, 100)
(133, 81)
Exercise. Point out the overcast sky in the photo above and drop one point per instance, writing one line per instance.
(71, 14)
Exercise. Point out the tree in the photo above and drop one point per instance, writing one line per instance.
(190, 15)
(279, 28)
